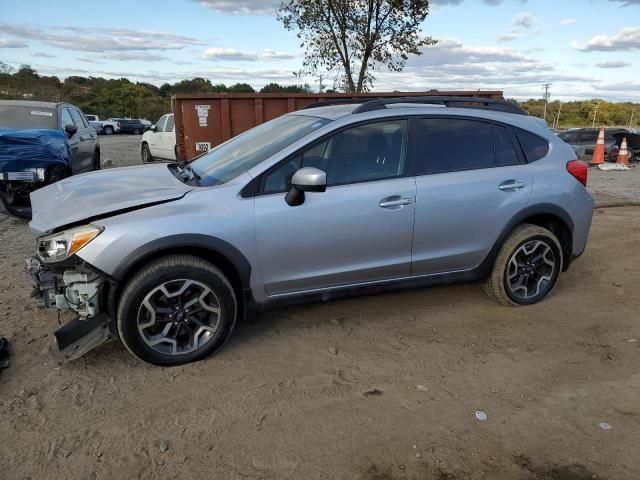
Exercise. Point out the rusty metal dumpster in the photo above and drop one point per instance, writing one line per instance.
(205, 120)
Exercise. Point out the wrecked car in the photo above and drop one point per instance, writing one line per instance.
(41, 143)
(329, 201)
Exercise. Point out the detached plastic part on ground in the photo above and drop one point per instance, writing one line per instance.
(613, 167)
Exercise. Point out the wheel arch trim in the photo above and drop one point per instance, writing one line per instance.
(214, 245)
(519, 218)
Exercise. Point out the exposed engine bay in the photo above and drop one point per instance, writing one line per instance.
(78, 289)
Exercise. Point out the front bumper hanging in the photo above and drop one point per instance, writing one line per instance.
(77, 290)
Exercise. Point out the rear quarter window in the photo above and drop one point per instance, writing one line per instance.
(533, 146)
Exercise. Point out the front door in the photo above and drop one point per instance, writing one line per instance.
(155, 138)
(471, 181)
(358, 230)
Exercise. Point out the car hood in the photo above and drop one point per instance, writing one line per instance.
(94, 194)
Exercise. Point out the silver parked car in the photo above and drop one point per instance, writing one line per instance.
(324, 202)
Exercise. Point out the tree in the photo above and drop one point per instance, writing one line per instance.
(241, 88)
(277, 88)
(357, 35)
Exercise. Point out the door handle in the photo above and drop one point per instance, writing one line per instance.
(511, 185)
(394, 201)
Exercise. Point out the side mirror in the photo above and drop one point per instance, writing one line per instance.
(70, 130)
(154, 128)
(307, 179)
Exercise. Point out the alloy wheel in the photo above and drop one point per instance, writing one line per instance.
(530, 270)
(179, 317)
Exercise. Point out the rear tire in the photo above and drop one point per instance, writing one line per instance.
(108, 130)
(136, 132)
(176, 310)
(527, 267)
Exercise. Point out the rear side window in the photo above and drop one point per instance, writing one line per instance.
(533, 146)
(569, 137)
(505, 151)
(451, 144)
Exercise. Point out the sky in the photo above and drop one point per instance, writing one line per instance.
(583, 48)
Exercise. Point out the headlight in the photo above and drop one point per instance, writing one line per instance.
(57, 247)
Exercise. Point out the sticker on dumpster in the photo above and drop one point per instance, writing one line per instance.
(203, 114)
(41, 113)
(203, 146)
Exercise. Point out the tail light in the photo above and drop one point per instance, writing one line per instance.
(579, 170)
(118, 124)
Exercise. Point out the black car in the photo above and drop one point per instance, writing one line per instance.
(41, 143)
(131, 125)
(585, 139)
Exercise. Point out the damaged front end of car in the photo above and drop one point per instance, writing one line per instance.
(65, 282)
(30, 159)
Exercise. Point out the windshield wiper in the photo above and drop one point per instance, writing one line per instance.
(187, 172)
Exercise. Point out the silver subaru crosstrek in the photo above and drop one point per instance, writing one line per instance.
(329, 201)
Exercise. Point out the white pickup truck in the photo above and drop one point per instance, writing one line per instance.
(107, 127)
(159, 143)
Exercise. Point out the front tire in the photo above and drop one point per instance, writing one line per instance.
(176, 310)
(108, 130)
(96, 160)
(146, 154)
(526, 268)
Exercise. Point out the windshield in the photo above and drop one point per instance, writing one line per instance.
(20, 116)
(253, 147)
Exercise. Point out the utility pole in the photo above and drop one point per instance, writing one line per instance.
(558, 117)
(631, 120)
(595, 113)
(546, 98)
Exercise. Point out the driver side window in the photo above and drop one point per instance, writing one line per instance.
(66, 118)
(160, 124)
(374, 151)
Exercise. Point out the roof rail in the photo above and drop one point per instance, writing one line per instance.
(460, 102)
(338, 101)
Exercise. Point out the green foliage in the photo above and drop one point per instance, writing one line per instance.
(580, 113)
(277, 88)
(357, 36)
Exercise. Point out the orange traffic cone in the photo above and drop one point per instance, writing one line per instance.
(598, 152)
(623, 154)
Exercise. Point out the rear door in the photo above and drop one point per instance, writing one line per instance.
(471, 180)
(358, 230)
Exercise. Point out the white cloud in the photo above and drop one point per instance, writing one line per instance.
(269, 54)
(99, 39)
(625, 40)
(234, 55)
(525, 20)
(41, 54)
(613, 64)
(243, 7)
(230, 54)
(9, 43)
(522, 25)
(568, 21)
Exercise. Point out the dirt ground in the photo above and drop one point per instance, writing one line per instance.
(376, 388)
